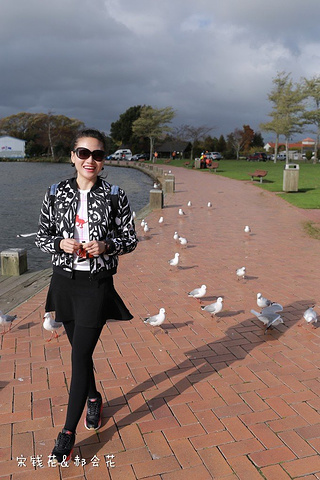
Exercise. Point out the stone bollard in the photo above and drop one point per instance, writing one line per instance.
(168, 185)
(14, 261)
(170, 177)
(156, 199)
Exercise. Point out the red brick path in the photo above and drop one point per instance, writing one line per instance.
(200, 398)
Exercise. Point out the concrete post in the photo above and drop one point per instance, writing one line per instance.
(14, 261)
(156, 199)
(169, 185)
(171, 178)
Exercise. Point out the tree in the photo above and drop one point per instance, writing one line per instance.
(121, 130)
(312, 117)
(257, 140)
(247, 138)
(43, 132)
(286, 110)
(235, 141)
(192, 134)
(240, 140)
(222, 144)
(17, 125)
(153, 123)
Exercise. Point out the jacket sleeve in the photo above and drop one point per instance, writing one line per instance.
(46, 238)
(125, 239)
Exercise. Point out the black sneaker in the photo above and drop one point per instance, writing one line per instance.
(94, 411)
(63, 446)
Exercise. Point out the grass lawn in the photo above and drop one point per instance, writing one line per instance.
(308, 195)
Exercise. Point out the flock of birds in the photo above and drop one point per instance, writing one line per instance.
(270, 312)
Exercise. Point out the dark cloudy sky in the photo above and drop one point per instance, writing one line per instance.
(213, 61)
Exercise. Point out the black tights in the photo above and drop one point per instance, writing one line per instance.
(83, 341)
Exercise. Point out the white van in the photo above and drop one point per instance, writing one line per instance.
(122, 154)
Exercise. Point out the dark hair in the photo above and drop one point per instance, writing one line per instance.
(89, 132)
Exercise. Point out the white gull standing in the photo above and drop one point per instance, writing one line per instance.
(6, 320)
(241, 272)
(215, 307)
(174, 261)
(183, 241)
(156, 320)
(310, 315)
(198, 292)
(51, 325)
(263, 302)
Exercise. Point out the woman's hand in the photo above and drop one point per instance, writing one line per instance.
(94, 247)
(69, 245)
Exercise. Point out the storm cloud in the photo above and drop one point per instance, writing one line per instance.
(212, 61)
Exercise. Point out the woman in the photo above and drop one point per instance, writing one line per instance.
(79, 227)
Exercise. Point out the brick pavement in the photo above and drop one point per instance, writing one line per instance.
(199, 398)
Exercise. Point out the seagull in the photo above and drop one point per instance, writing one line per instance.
(161, 220)
(263, 302)
(146, 228)
(176, 236)
(142, 223)
(247, 229)
(241, 272)
(181, 212)
(189, 203)
(156, 320)
(273, 308)
(310, 315)
(215, 307)
(198, 292)
(183, 241)
(6, 320)
(174, 261)
(267, 317)
(209, 204)
(51, 325)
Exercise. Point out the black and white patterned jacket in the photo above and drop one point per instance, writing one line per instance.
(57, 221)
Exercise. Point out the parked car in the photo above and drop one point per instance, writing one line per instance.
(213, 155)
(257, 157)
(216, 156)
(141, 156)
(122, 154)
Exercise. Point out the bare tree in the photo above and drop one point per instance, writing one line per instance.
(192, 134)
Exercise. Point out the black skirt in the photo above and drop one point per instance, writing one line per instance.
(89, 303)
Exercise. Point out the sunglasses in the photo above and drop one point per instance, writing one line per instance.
(85, 153)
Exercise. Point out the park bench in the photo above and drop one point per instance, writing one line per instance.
(258, 174)
(213, 166)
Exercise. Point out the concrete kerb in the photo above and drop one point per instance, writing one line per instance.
(165, 179)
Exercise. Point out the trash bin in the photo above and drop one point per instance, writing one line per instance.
(197, 163)
(290, 177)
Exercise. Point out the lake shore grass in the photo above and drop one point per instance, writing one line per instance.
(308, 195)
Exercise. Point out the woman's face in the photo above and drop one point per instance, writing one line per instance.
(89, 168)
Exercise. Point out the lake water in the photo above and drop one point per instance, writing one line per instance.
(22, 189)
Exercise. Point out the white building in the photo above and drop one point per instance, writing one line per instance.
(11, 147)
